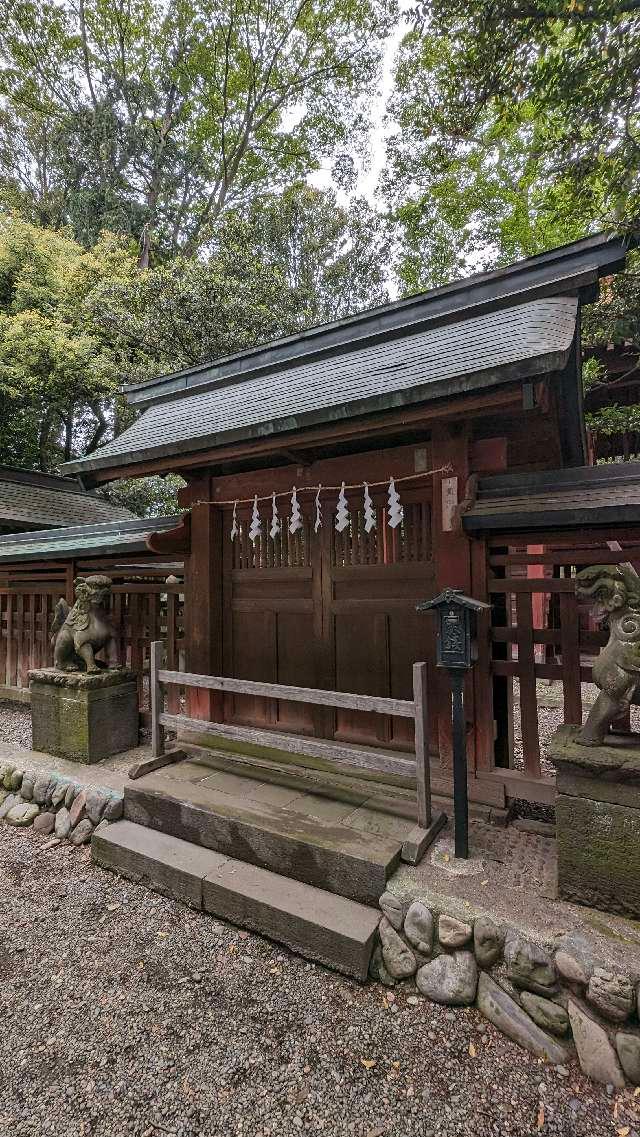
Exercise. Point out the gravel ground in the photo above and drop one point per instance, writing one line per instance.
(124, 1013)
(15, 724)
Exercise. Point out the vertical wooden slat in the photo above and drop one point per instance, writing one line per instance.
(422, 744)
(527, 676)
(21, 657)
(11, 647)
(155, 689)
(4, 599)
(570, 648)
(173, 693)
(34, 610)
(135, 635)
(482, 681)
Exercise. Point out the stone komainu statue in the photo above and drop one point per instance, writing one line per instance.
(616, 671)
(78, 633)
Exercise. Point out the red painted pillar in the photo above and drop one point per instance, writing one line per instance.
(203, 598)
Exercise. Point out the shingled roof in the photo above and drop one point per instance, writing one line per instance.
(508, 325)
(114, 537)
(32, 500)
(585, 495)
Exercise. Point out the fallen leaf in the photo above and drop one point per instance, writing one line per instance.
(540, 1117)
(446, 857)
(275, 971)
(472, 1050)
(624, 1132)
(396, 1065)
(368, 1063)
(162, 935)
(484, 882)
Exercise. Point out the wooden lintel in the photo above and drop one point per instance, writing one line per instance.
(176, 540)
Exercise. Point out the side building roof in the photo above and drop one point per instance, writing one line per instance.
(31, 500)
(105, 539)
(553, 499)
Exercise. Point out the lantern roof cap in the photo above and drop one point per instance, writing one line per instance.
(452, 596)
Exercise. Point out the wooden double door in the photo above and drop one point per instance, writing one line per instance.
(330, 610)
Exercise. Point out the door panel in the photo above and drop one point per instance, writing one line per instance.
(332, 610)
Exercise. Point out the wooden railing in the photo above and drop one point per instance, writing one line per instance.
(343, 755)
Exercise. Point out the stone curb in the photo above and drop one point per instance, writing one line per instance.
(549, 1002)
(60, 807)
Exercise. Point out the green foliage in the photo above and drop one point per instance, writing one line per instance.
(335, 260)
(615, 318)
(614, 420)
(57, 372)
(75, 324)
(152, 119)
(518, 130)
(147, 497)
(296, 259)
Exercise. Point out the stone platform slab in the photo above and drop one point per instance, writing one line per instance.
(312, 922)
(332, 856)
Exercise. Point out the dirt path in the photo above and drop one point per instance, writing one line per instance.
(125, 1014)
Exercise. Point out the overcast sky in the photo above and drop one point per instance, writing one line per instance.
(368, 178)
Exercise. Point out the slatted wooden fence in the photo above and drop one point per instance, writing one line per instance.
(540, 630)
(144, 607)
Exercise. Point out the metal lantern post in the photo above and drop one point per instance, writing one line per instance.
(457, 615)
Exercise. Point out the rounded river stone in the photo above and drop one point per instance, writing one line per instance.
(488, 939)
(453, 933)
(612, 995)
(399, 960)
(418, 927)
(451, 979)
(23, 814)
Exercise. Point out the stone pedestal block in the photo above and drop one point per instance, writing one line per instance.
(598, 821)
(83, 717)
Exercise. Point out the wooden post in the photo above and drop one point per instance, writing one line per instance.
(423, 777)
(424, 833)
(451, 552)
(203, 599)
(156, 697)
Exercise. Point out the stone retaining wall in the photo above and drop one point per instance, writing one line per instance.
(547, 1002)
(55, 805)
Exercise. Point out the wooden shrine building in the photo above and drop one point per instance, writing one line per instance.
(476, 379)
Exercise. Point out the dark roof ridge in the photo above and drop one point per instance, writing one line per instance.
(19, 476)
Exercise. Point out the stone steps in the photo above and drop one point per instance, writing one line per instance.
(316, 924)
(332, 857)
